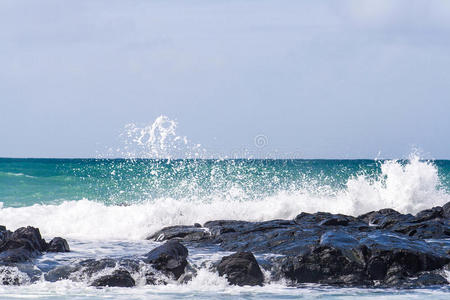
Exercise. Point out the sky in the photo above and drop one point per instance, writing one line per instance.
(318, 79)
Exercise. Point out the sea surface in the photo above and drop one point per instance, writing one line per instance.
(106, 208)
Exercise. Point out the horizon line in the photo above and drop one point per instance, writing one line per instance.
(209, 158)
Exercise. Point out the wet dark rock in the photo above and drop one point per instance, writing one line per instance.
(91, 266)
(4, 234)
(241, 269)
(430, 229)
(429, 214)
(25, 244)
(277, 236)
(446, 211)
(376, 268)
(426, 279)
(338, 239)
(326, 219)
(31, 235)
(383, 248)
(427, 224)
(385, 218)
(429, 279)
(119, 278)
(22, 245)
(183, 233)
(169, 258)
(335, 221)
(323, 264)
(60, 272)
(58, 244)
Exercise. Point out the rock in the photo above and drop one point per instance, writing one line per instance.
(376, 268)
(379, 249)
(338, 239)
(429, 229)
(323, 264)
(58, 244)
(446, 210)
(425, 279)
(91, 266)
(25, 244)
(335, 221)
(119, 278)
(429, 279)
(429, 214)
(170, 258)
(22, 245)
(4, 234)
(385, 218)
(60, 272)
(276, 236)
(241, 269)
(32, 235)
(320, 248)
(183, 233)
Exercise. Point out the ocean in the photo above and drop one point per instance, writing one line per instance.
(107, 207)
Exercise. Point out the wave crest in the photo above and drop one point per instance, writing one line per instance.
(405, 186)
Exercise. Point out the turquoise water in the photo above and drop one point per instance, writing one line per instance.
(106, 208)
(24, 182)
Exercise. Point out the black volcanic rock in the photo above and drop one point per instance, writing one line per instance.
(60, 272)
(382, 247)
(119, 278)
(429, 214)
(25, 244)
(22, 245)
(241, 269)
(429, 279)
(385, 218)
(322, 264)
(58, 244)
(427, 224)
(169, 258)
(446, 211)
(91, 266)
(183, 233)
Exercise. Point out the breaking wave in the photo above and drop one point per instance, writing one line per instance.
(407, 186)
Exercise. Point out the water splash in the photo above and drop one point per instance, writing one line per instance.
(158, 140)
(407, 186)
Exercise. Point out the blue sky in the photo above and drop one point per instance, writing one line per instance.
(322, 79)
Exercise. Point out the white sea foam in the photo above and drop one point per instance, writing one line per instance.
(407, 188)
(206, 285)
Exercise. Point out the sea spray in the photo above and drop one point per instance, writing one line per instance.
(157, 140)
(152, 187)
(407, 186)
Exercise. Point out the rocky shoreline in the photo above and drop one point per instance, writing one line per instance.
(378, 249)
